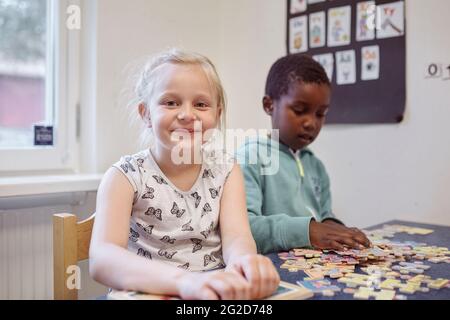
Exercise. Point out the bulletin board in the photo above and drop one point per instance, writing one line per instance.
(361, 45)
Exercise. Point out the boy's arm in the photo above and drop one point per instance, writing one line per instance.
(272, 233)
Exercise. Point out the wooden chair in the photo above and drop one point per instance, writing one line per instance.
(71, 240)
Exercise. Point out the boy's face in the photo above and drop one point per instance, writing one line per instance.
(300, 113)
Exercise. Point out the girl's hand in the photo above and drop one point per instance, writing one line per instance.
(329, 235)
(259, 272)
(213, 285)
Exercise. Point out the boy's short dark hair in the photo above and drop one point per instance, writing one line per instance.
(292, 68)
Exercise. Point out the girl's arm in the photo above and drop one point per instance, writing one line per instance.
(237, 239)
(238, 245)
(110, 262)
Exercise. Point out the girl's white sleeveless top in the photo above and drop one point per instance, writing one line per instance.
(173, 226)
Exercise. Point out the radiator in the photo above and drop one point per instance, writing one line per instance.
(26, 247)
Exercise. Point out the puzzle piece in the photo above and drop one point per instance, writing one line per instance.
(315, 274)
(307, 253)
(366, 293)
(354, 280)
(318, 285)
(438, 283)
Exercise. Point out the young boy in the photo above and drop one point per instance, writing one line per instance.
(292, 207)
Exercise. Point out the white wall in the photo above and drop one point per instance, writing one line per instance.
(378, 172)
(127, 32)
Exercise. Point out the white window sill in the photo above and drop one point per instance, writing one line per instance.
(39, 185)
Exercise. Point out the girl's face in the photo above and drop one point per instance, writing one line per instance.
(183, 104)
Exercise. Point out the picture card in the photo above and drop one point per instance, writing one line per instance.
(327, 62)
(365, 20)
(345, 67)
(298, 34)
(339, 26)
(390, 20)
(317, 32)
(370, 63)
(298, 6)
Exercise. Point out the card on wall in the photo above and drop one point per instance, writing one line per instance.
(298, 6)
(390, 20)
(370, 63)
(365, 20)
(298, 34)
(339, 26)
(317, 32)
(327, 62)
(315, 1)
(345, 67)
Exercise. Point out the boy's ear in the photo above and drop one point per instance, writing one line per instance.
(268, 105)
(145, 115)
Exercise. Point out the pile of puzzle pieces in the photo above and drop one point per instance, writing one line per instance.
(390, 269)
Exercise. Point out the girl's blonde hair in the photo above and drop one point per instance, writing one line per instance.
(144, 87)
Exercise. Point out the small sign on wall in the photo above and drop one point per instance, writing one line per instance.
(438, 71)
(43, 136)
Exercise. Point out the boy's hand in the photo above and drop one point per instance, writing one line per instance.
(331, 235)
(259, 272)
(213, 285)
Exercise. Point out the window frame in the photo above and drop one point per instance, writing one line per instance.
(63, 92)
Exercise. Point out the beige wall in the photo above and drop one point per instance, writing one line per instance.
(378, 172)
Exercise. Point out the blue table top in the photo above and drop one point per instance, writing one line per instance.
(440, 237)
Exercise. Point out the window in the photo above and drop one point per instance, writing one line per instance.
(38, 59)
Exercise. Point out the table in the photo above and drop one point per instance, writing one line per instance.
(440, 237)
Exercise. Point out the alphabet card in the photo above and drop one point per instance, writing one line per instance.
(327, 62)
(298, 34)
(298, 6)
(390, 20)
(339, 26)
(370, 63)
(365, 20)
(317, 29)
(345, 67)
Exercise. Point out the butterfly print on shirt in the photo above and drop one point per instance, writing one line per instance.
(133, 235)
(187, 226)
(208, 230)
(147, 228)
(166, 254)
(167, 239)
(127, 165)
(140, 163)
(197, 244)
(148, 193)
(208, 174)
(184, 266)
(178, 194)
(207, 259)
(154, 212)
(214, 192)
(159, 179)
(197, 198)
(206, 209)
(217, 254)
(176, 211)
(144, 253)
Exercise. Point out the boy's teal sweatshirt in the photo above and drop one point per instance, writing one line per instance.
(281, 203)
